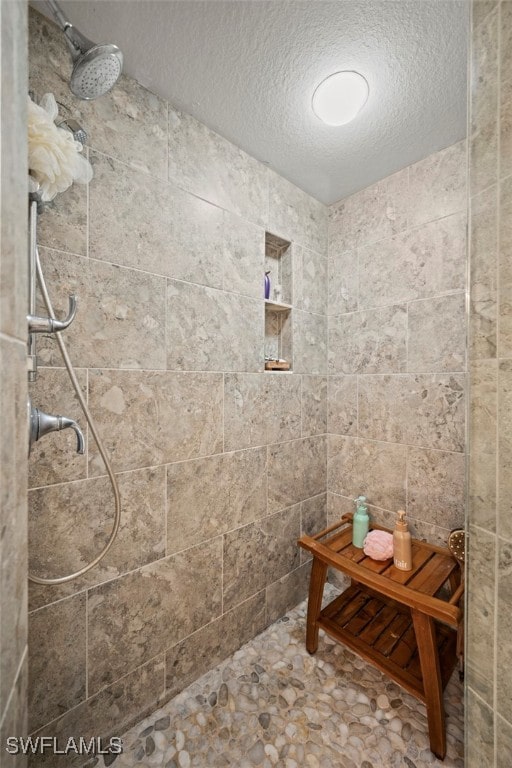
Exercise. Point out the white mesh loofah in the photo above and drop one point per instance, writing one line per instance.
(54, 157)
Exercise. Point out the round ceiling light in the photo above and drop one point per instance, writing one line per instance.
(338, 98)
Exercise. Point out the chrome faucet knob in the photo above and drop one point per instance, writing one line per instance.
(42, 423)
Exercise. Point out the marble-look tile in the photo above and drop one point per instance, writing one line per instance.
(314, 405)
(343, 283)
(483, 274)
(150, 418)
(423, 409)
(285, 593)
(13, 513)
(480, 9)
(129, 122)
(63, 223)
(295, 215)
(506, 129)
(14, 720)
(376, 470)
(483, 383)
(313, 518)
(209, 166)
(483, 409)
(369, 342)
(13, 172)
(309, 342)
(195, 243)
(505, 25)
(310, 280)
(504, 749)
(138, 616)
(342, 405)
(422, 262)
(374, 213)
(437, 185)
(211, 330)
(296, 471)
(337, 506)
(482, 507)
(120, 315)
(57, 638)
(505, 271)
(504, 627)
(54, 459)
(480, 621)
(260, 409)
(259, 554)
(210, 645)
(505, 447)
(138, 221)
(436, 334)
(244, 256)
(480, 732)
(483, 143)
(435, 487)
(79, 516)
(424, 531)
(108, 713)
(483, 153)
(313, 515)
(207, 497)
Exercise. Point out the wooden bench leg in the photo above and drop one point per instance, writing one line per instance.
(316, 592)
(425, 631)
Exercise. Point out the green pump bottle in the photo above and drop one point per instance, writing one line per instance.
(360, 522)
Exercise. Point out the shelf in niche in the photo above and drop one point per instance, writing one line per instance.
(278, 312)
(274, 306)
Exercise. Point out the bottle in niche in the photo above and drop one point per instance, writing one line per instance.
(402, 543)
(267, 284)
(360, 522)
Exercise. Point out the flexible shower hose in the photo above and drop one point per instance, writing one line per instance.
(92, 426)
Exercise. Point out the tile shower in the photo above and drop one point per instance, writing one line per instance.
(222, 466)
(171, 202)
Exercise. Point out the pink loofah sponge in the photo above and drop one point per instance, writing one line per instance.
(378, 545)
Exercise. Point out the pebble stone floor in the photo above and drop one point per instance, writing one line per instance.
(272, 704)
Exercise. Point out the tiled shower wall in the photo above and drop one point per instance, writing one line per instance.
(220, 465)
(397, 346)
(13, 377)
(489, 645)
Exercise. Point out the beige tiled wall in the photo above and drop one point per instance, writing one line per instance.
(220, 465)
(13, 387)
(489, 648)
(397, 346)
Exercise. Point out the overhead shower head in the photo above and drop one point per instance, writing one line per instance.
(96, 68)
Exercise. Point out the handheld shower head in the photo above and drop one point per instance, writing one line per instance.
(96, 68)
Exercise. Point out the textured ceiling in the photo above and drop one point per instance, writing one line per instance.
(248, 68)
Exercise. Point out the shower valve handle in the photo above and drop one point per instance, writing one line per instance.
(42, 423)
(51, 325)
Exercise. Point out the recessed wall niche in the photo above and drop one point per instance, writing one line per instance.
(278, 305)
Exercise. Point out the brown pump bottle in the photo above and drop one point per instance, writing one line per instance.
(402, 543)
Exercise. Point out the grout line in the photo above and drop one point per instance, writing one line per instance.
(249, 448)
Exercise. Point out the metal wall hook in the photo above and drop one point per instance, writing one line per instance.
(38, 324)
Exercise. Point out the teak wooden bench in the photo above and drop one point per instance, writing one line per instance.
(394, 619)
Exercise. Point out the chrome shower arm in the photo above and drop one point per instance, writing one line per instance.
(59, 14)
(78, 44)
